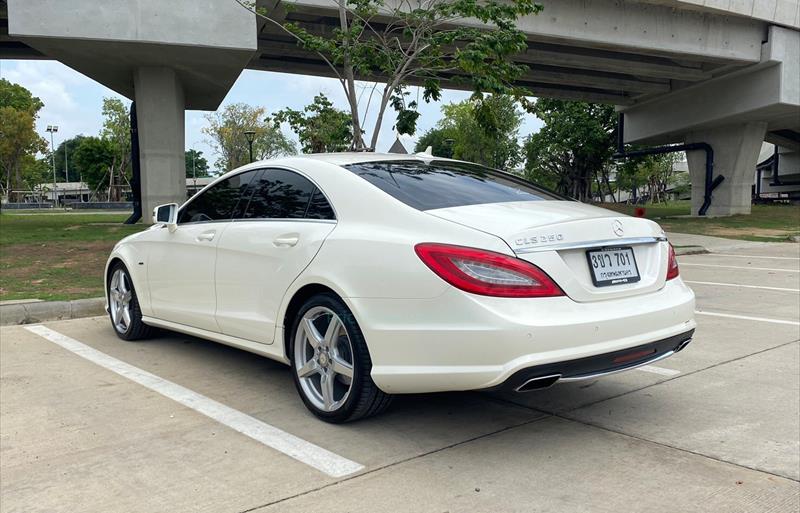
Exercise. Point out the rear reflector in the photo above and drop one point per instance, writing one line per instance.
(631, 357)
(485, 272)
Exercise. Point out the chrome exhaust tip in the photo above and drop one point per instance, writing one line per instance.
(538, 383)
(683, 345)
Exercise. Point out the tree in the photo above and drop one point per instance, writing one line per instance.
(196, 164)
(320, 127)
(439, 140)
(18, 138)
(226, 130)
(486, 134)
(95, 157)
(117, 131)
(573, 147)
(71, 145)
(427, 42)
(647, 177)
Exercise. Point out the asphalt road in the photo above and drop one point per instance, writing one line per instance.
(92, 424)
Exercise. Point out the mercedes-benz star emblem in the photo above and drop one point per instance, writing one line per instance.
(617, 227)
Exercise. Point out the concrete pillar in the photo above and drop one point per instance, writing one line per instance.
(736, 149)
(160, 110)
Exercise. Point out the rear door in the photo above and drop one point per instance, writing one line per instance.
(261, 253)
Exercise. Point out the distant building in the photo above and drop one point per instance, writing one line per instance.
(398, 147)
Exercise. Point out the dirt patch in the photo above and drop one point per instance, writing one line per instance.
(57, 270)
(757, 232)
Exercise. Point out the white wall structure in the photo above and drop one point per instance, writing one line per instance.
(725, 72)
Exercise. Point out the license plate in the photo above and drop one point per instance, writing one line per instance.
(612, 266)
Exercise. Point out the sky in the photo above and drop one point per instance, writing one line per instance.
(73, 102)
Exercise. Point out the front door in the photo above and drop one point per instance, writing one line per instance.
(181, 264)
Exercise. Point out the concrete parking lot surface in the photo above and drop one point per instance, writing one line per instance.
(714, 428)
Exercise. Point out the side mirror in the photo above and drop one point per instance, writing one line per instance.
(167, 214)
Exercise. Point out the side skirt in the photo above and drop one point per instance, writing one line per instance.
(271, 351)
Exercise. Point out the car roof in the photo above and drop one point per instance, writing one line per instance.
(346, 158)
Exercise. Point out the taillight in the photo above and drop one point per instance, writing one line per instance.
(672, 264)
(485, 272)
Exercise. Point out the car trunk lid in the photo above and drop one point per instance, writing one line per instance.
(556, 235)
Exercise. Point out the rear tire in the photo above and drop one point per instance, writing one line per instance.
(123, 305)
(331, 364)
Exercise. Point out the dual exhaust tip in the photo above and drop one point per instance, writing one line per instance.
(541, 382)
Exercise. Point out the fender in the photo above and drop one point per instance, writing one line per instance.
(135, 262)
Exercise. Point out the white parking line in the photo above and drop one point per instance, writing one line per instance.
(740, 267)
(290, 445)
(658, 370)
(739, 285)
(755, 256)
(747, 318)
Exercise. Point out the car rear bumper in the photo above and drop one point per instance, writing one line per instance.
(591, 367)
(461, 341)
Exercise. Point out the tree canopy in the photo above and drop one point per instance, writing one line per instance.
(320, 127)
(226, 131)
(573, 147)
(196, 164)
(485, 134)
(19, 142)
(427, 42)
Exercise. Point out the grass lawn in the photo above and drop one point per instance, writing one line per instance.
(54, 256)
(766, 223)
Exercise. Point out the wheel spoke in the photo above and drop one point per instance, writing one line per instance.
(312, 335)
(342, 367)
(332, 333)
(326, 383)
(308, 369)
(126, 316)
(123, 285)
(119, 313)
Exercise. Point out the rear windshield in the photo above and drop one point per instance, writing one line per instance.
(442, 184)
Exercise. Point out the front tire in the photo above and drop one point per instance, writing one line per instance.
(123, 305)
(331, 364)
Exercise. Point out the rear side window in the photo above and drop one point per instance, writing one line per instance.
(319, 208)
(283, 194)
(219, 202)
(440, 184)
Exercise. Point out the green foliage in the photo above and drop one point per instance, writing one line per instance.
(19, 142)
(427, 42)
(573, 147)
(94, 158)
(196, 164)
(320, 127)
(226, 131)
(440, 142)
(485, 134)
(71, 145)
(15, 96)
(648, 176)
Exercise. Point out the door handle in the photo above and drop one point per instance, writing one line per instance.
(205, 236)
(286, 240)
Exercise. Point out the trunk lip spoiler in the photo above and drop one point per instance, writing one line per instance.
(630, 241)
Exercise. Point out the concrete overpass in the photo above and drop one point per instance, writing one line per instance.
(722, 72)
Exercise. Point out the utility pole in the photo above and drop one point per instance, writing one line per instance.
(66, 167)
(53, 129)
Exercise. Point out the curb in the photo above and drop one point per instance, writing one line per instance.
(30, 313)
(691, 250)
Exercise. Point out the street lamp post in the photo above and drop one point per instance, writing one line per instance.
(53, 129)
(66, 166)
(250, 135)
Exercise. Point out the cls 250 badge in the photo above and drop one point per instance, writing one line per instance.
(539, 239)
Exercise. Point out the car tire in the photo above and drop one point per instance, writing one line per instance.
(123, 305)
(322, 355)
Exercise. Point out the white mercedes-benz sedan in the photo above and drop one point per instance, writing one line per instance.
(372, 275)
